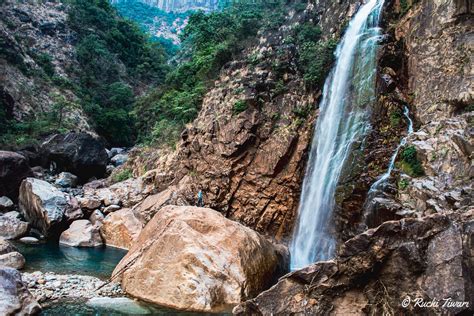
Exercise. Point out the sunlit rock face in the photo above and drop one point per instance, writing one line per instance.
(194, 259)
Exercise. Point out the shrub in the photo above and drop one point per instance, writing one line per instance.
(122, 175)
(239, 106)
(45, 61)
(395, 118)
(315, 61)
(410, 163)
(403, 184)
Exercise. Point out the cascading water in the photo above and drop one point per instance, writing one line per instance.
(370, 215)
(376, 185)
(343, 120)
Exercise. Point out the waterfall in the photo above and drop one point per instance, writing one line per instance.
(343, 120)
(391, 165)
(370, 209)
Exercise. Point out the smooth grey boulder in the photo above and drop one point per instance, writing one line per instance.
(15, 299)
(42, 204)
(11, 227)
(119, 159)
(29, 240)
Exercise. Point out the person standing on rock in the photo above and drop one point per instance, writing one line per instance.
(200, 202)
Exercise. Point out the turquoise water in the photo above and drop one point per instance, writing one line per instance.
(98, 262)
(51, 257)
(82, 308)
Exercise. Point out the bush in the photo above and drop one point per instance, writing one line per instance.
(122, 175)
(410, 163)
(315, 61)
(403, 184)
(240, 106)
(45, 61)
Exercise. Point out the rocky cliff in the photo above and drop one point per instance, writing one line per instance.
(37, 52)
(425, 208)
(247, 149)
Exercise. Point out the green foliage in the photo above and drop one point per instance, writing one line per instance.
(315, 56)
(239, 106)
(410, 163)
(403, 184)
(209, 41)
(395, 117)
(105, 41)
(122, 175)
(148, 17)
(302, 112)
(406, 5)
(44, 60)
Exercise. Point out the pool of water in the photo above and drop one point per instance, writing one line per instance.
(112, 308)
(98, 262)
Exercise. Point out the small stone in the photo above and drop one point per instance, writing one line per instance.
(111, 208)
(41, 281)
(29, 240)
(5, 204)
(67, 180)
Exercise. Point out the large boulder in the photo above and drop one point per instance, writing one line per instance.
(13, 169)
(121, 229)
(9, 255)
(13, 260)
(6, 246)
(78, 153)
(43, 205)
(81, 233)
(195, 259)
(11, 227)
(384, 271)
(15, 299)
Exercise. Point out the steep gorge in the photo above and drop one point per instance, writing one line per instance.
(247, 150)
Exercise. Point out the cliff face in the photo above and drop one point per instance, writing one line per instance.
(247, 149)
(37, 49)
(423, 246)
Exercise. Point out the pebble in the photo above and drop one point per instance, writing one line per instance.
(51, 287)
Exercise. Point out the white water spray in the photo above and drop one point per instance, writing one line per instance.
(376, 185)
(348, 92)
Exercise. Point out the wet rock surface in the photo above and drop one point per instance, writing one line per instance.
(214, 262)
(428, 258)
